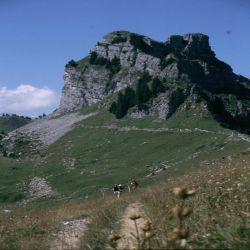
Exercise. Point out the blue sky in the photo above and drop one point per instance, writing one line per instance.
(38, 37)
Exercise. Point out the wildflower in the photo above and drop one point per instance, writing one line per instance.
(181, 233)
(135, 217)
(186, 211)
(149, 235)
(183, 243)
(183, 192)
(181, 212)
(147, 226)
(114, 237)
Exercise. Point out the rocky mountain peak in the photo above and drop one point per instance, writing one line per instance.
(121, 58)
(192, 45)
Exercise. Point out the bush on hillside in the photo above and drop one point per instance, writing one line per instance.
(144, 91)
(138, 42)
(124, 101)
(119, 39)
(113, 65)
(157, 87)
(71, 63)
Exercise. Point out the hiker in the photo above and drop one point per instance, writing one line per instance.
(133, 183)
(117, 190)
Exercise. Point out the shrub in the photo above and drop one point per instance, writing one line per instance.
(119, 39)
(125, 101)
(156, 87)
(71, 63)
(130, 98)
(93, 57)
(143, 92)
(164, 63)
(114, 65)
(138, 42)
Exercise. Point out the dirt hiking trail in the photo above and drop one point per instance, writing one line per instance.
(128, 228)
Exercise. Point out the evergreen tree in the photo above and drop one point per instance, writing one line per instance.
(146, 77)
(93, 57)
(143, 93)
(71, 63)
(156, 87)
(114, 65)
(120, 106)
(129, 98)
(113, 108)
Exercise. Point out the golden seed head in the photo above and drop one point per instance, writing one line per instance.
(183, 243)
(181, 233)
(173, 237)
(177, 211)
(114, 237)
(183, 192)
(134, 248)
(135, 217)
(186, 211)
(177, 190)
(191, 192)
(147, 226)
(149, 235)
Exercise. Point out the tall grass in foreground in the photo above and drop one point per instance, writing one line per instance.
(220, 218)
(221, 210)
(33, 226)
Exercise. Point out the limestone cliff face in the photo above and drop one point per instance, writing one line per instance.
(88, 83)
(82, 87)
(120, 58)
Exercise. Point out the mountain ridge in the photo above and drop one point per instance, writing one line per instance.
(186, 65)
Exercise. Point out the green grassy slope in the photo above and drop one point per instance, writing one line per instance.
(102, 151)
(13, 179)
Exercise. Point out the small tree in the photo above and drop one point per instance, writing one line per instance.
(156, 87)
(129, 97)
(113, 108)
(114, 65)
(71, 63)
(120, 106)
(93, 57)
(143, 93)
(125, 101)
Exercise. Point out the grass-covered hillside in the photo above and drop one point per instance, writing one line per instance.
(219, 217)
(60, 197)
(11, 122)
(102, 150)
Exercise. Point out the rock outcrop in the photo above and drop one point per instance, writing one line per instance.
(120, 58)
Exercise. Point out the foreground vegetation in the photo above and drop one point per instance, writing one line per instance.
(220, 216)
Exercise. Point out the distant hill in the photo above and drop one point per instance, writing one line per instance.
(12, 122)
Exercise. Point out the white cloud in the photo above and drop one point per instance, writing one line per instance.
(27, 100)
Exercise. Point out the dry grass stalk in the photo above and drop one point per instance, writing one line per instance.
(180, 234)
(112, 240)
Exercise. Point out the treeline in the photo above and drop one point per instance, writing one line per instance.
(113, 65)
(15, 115)
(9, 122)
(145, 88)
